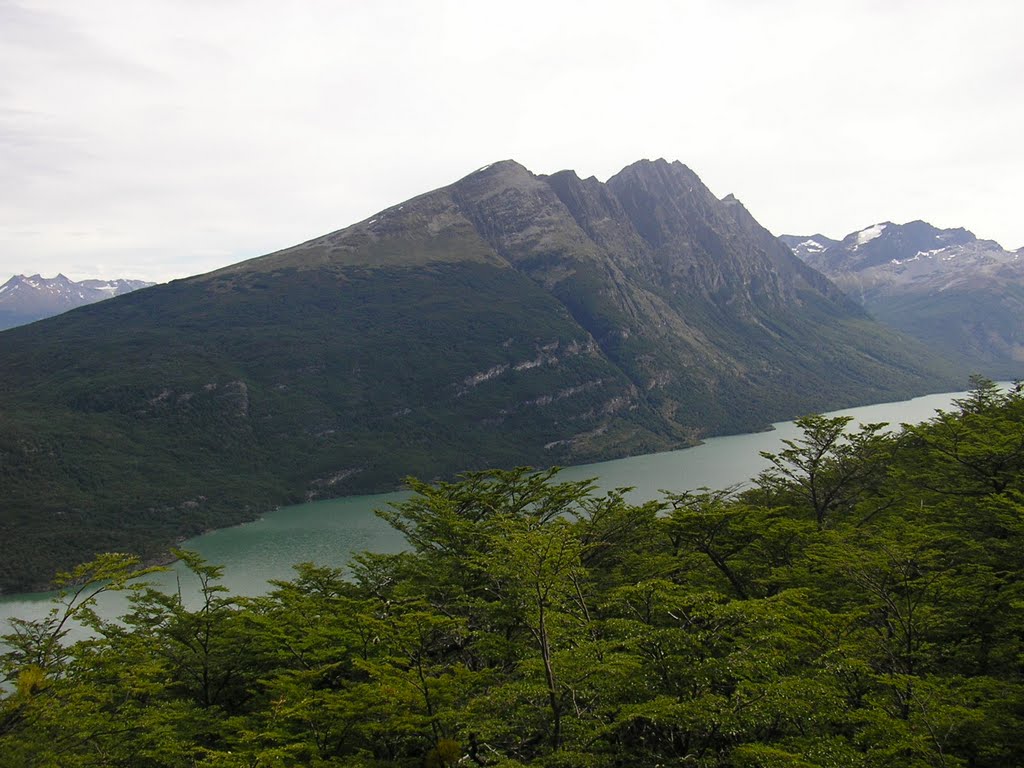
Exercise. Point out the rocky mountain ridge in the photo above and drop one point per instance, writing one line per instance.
(27, 298)
(946, 287)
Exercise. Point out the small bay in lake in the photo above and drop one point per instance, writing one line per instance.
(331, 532)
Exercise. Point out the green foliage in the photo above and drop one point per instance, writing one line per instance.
(535, 622)
(828, 469)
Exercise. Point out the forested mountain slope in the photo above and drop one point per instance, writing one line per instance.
(506, 319)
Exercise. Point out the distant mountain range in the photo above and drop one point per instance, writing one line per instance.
(507, 319)
(26, 299)
(958, 294)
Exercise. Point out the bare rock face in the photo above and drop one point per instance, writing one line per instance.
(962, 295)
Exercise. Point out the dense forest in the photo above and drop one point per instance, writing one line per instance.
(859, 604)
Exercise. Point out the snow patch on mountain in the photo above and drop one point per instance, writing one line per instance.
(867, 235)
(811, 246)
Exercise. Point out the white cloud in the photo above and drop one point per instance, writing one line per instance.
(166, 137)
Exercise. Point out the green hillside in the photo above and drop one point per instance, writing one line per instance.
(506, 319)
(980, 326)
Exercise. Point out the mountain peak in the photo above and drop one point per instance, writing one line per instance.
(945, 287)
(500, 166)
(660, 169)
(735, 204)
(886, 242)
(26, 299)
(883, 243)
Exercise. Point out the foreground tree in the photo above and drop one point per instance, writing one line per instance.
(829, 469)
(846, 611)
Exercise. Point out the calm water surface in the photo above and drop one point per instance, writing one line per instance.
(330, 532)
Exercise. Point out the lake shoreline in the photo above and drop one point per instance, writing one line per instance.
(275, 515)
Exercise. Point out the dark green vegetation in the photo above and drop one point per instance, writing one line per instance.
(859, 606)
(507, 319)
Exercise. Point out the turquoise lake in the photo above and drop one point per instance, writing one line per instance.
(330, 532)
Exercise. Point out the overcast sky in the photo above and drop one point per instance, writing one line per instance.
(156, 139)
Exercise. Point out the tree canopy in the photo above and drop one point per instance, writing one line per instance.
(860, 604)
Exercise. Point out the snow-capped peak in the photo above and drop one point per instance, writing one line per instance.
(24, 299)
